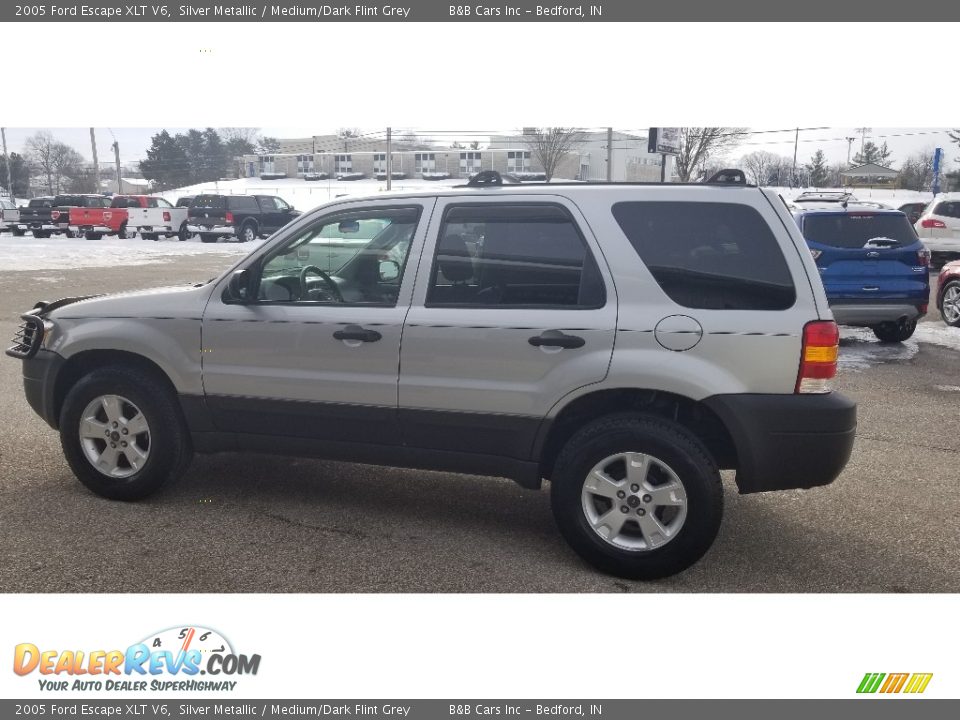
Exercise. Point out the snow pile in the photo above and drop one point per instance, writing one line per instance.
(58, 253)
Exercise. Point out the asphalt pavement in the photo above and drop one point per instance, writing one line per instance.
(244, 523)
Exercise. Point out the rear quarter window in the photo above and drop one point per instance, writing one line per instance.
(711, 256)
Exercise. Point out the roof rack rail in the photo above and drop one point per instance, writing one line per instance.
(728, 176)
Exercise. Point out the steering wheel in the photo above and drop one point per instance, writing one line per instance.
(332, 290)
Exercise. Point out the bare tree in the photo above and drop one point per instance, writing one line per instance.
(551, 145)
(917, 171)
(55, 161)
(698, 145)
(759, 164)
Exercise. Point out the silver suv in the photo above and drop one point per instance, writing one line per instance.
(623, 341)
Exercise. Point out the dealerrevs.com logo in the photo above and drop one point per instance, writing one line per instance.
(893, 683)
(176, 659)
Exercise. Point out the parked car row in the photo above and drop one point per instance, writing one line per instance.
(212, 216)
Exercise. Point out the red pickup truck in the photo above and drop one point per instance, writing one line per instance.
(128, 214)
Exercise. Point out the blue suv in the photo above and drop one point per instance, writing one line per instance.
(874, 268)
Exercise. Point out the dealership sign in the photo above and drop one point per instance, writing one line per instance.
(665, 141)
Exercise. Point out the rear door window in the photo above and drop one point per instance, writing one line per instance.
(244, 204)
(527, 255)
(712, 256)
(855, 230)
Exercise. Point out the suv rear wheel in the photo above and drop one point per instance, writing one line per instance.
(891, 332)
(123, 434)
(637, 496)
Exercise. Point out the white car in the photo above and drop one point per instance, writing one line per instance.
(939, 228)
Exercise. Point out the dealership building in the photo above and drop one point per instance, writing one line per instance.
(336, 155)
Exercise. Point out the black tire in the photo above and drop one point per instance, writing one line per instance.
(19, 233)
(893, 332)
(953, 284)
(93, 235)
(183, 234)
(71, 234)
(122, 232)
(149, 236)
(671, 444)
(247, 232)
(41, 234)
(208, 238)
(170, 447)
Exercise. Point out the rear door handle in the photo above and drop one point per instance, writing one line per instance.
(355, 332)
(558, 339)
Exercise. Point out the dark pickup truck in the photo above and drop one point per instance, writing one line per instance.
(45, 216)
(36, 218)
(245, 217)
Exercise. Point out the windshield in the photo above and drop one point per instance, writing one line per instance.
(854, 230)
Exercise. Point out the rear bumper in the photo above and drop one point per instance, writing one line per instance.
(37, 226)
(92, 228)
(212, 229)
(865, 314)
(39, 381)
(785, 442)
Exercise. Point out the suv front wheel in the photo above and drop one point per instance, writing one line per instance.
(123, 434)
(637, 496)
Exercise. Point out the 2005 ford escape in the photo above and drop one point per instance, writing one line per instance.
(624, 342)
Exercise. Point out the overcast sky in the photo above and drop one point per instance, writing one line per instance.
(902, 141)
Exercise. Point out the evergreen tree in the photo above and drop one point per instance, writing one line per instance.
(19, 174)
(871, 153)
(167, 164)
(817, 170)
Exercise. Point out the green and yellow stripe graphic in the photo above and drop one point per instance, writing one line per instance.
(914, 683)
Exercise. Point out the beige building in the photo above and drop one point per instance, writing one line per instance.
(335, 156)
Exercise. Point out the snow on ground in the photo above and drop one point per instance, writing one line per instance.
(888, 196)
(304, 195)
(59, 253)
(860, 349)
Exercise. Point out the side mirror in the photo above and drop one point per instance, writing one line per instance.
(389, 270)
(240, 286)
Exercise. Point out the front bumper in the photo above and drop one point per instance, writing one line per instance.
(39, 383)
(785, 442)
(866, 314)
(212, 229)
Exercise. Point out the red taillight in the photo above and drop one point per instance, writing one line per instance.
(54, 214)
(930, 223)
(229, 216)
(166, 216)
(818, 357)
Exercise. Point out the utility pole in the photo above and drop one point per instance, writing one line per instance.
(96, 162)
(6, 159)
(116, 155)
(849, 145)
(796, 141)
(609, 154)
(389, 159)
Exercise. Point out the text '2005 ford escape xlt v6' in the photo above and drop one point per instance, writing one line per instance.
(624, 342)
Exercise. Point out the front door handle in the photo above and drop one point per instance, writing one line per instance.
(357, 333)
(557, 339)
